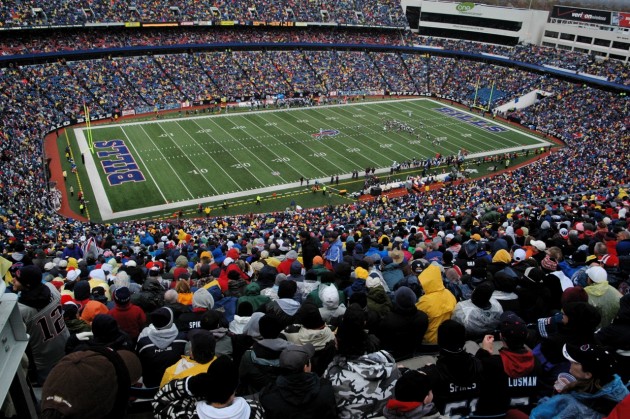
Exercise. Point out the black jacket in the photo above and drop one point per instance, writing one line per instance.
(401, 331)
(299, 395)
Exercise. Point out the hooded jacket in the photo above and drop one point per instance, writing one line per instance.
(331, 308)
(158, 349)
(252, 296)
(392, 274)
(378, 301)
(362, 385)
(259, 365)
(299, 396)
(437, 302)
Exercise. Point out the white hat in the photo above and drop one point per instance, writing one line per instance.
(539, 245)
(73, 275)
(597, 274)
(131, 263)
(49, 266)
(69, 242)
(63, 263)
(97, 274)
(519, 255)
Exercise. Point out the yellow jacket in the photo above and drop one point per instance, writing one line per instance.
(437, 302)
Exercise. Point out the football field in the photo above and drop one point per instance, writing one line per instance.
(148, 166)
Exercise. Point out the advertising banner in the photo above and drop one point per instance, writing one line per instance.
(623, 20)
(581, 15)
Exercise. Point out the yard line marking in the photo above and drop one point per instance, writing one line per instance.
(296, 153)
(377, 152)
(166, 160)
(341, 170)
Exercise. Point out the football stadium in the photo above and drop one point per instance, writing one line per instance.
(317, 209)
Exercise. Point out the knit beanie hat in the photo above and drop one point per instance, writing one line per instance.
(269, 326)
(405, 298)
(29, 276)
(92, 309)
(162, 318)
(311, 317)
(481, 295)
(82, 290)
(122, 295)
(451, 336)
(361, 273)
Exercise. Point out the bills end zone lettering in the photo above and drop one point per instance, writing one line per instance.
(118, 163)
(325, 133)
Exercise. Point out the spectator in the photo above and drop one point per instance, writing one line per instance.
(438, 303)
(596, 390)
(298, 392)
(41, 312)
(159, 346)
(457, 376)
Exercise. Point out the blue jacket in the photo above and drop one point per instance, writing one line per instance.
(335, 252)
(567, 406)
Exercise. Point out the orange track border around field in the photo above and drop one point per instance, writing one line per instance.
(56, 173)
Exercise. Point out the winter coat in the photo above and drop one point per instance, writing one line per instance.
(378, 301)
(285, 309)
(331, 308)
(617, 337)
(131, 319)
(582, 405)
(401, 331)
(260, 365)
(158, 349)
(299, 395)
(362, 385)
(310, 249)
(437, 302)
(392, 274)
(252, 295)
(151, 297)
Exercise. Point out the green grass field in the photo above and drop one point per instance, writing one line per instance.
(162, 165)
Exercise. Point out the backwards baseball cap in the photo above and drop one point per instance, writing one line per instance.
(295, 357)
(519, 255)
(419, 265)
(598, 361)
(539, 245)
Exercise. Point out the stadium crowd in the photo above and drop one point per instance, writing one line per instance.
(313, 313)
(15, 13)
